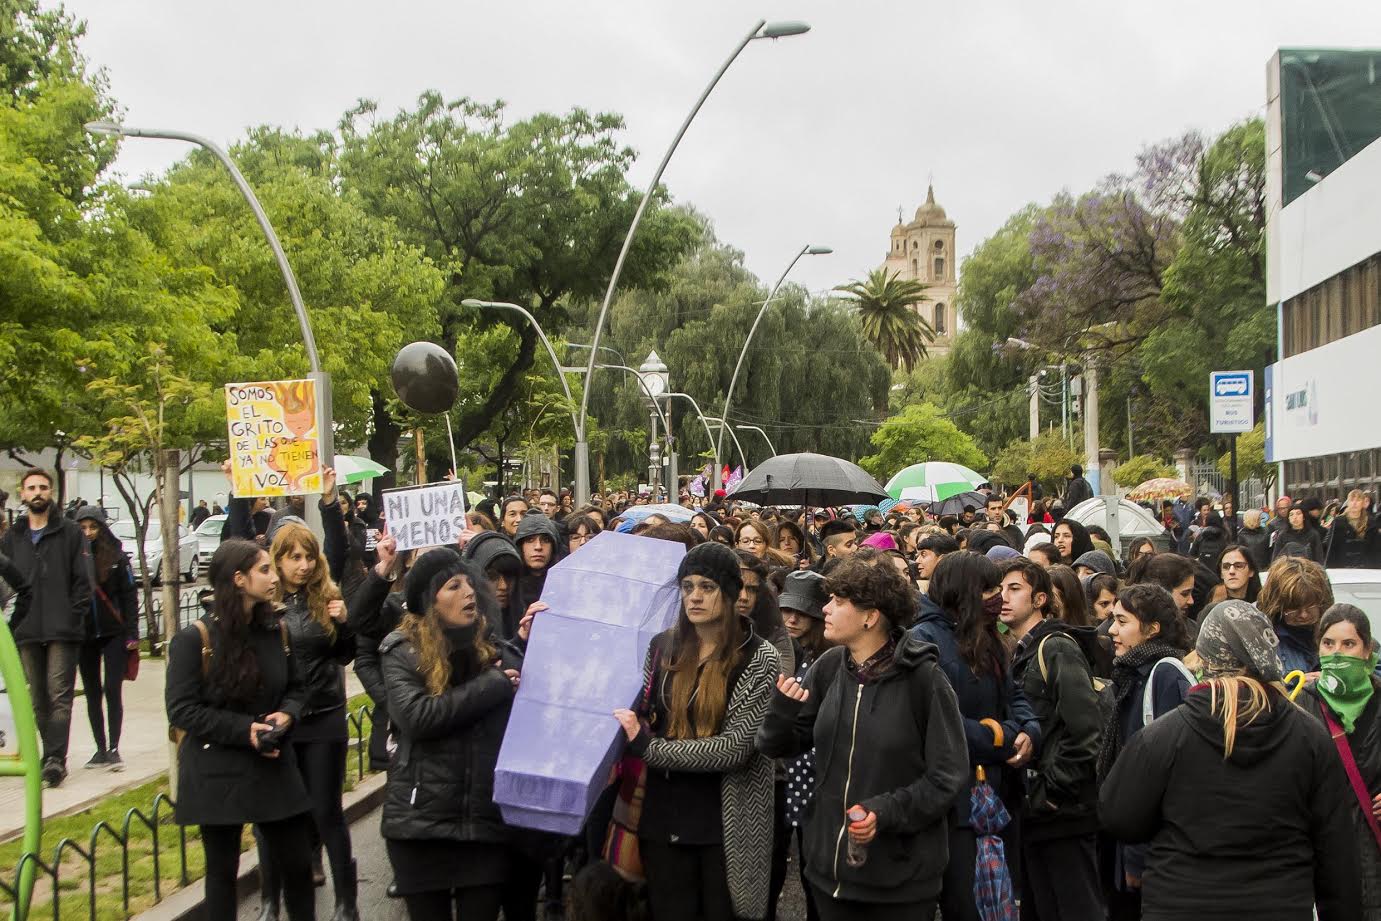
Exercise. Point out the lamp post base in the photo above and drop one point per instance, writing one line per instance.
(582, 472)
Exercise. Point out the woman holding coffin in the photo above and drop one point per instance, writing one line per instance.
(705, 834)
(450, 688)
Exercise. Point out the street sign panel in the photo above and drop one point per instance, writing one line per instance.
(1230, 399)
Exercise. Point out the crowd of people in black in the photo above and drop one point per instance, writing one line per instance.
(973, 716)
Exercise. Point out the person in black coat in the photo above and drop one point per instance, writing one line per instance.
(959, 617)
(1299, 538)
(112, 634)
(375, 612)
(1345, 696)
(450, 690)
(890, 749)
(323, 641)
(1354, 540)
(1054, 666)
(538, 542)
(233, 688)
(1238, 792)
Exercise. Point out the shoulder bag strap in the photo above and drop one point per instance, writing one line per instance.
(205, 646)
(1354, 776)
(1148, 710)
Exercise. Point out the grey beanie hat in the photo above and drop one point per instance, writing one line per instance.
(1234, 635)
(1098, 561)
(805, 592)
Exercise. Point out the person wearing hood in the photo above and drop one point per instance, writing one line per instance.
(537, 541)
(493, 552)
(112, 633)
(1071, 539)
(1054, 666)
(1149, 639)
(450, 691)
(1238, 792)
(889, 738)
(959, 616)
(1344, 699)
(1295, 595)
(705, 833)
(1298, 538)
(1093, 563)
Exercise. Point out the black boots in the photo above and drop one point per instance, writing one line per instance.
(347, 889)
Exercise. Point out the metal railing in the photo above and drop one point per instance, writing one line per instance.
(158, 816)
(188, 610)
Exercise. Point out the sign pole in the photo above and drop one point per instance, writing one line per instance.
(1232, 469)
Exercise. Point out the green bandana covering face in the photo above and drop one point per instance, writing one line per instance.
(1345, 684)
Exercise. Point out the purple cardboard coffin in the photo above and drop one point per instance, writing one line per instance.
(584, 660)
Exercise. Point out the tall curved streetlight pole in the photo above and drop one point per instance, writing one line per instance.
(761, 29)
(759, 430)
(703, 421)
(541, 334)
(742, 455)
(806, 250)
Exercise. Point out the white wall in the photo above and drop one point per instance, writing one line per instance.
(1323, 401)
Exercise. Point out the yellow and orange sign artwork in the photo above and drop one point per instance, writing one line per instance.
(274, 442)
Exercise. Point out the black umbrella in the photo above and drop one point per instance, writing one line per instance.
(813, 480)
(954, 505)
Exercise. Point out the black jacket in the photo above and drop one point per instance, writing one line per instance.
(1062, 787)
(60, 599)
(1258, 541)
(222, 779)
(114, 600)
(981, 697)
(1306, 543)
(1346, 549)
(375, 611)
(441, 779)
(1077, 491)
(319, 656)
(895, 746)
(1261, 834)
(19, 584)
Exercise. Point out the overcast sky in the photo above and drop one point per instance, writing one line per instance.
(812, 139)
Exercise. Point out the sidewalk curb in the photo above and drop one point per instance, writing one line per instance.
(135, 780)
(186, 904)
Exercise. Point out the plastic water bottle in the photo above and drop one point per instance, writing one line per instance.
(857, 854)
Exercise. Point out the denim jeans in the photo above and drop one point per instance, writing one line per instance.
(51, 670)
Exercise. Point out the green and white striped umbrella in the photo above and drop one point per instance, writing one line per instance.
(351, 468)
(932, 481)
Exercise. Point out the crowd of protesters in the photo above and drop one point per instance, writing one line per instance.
(967, 715)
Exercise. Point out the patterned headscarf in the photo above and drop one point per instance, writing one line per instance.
(1235, 635)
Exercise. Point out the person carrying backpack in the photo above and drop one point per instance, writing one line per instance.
(1149, 637)
(1053, 665)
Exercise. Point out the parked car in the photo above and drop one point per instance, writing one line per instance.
(188, 564)
(1361, 587)
(209, 538)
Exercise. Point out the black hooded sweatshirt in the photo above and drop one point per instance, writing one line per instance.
(894, 746)
(1263, 834)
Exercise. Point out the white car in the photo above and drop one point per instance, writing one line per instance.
(208, 538)
(188, 564)
(1361, 587)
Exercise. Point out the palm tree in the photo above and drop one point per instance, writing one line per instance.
(886, 306)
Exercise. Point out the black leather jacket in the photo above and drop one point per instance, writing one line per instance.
(319, 656)
(441, 779)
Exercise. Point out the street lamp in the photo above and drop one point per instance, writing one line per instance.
(754, 428)
(743, 457)
(761, 29)
(806, 250)
(696, 406)
(541, 334)
(656, 379)
(603, 348)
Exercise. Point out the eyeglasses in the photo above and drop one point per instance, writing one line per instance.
(751, 542)
(1230, 566)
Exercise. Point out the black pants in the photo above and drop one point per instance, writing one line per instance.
(109, 652)
(322, 766)
(812, 913)
(686, 882)
(378, 738)
(832, 909)
(474, 903)
(51, 671)
(283, 845)
(520, 892)
(956, 896)
(1061, 880)
(781, 850)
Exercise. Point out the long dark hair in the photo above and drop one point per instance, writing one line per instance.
(1082, 542)
(766, 615)
(436, 660)
(1073, 607)
(700, 697)
(106, 550)
(233, 675)
(1253, 581)
(957, 586)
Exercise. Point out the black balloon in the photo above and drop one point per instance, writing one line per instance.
(424, 375)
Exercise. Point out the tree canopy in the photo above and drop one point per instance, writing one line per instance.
(920, 433)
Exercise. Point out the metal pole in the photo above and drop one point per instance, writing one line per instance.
(551, 353)
(759, 430)
(1232, 470)
(28, 765)
(1035, 389)
(742, 456)
(743, 353)
(673, 474)
(583, 487)
(1091, 421)
(708, 434)
(1131, 451)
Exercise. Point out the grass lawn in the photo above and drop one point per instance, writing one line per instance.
(74, 878)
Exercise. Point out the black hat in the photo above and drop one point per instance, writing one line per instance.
(492, 550)
(419, 578)
(804, 592)
(716, 562)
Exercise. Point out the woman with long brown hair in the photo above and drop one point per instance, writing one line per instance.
(450, 689)
(760, 539)
(232, 692)
(705, 834)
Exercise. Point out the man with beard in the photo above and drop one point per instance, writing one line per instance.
(49, 550)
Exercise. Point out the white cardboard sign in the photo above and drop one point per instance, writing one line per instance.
(425, 516)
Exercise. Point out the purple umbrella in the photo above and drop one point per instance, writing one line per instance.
(992, 884)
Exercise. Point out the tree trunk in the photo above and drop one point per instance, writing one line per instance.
(472, 425)
(383, 444)
(139, 514)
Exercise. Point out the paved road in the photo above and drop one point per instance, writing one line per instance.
(375, 876)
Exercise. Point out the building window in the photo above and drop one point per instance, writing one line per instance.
(939, 246)
(939, 268)
(940, 324)
(916, 268)
(915, 245)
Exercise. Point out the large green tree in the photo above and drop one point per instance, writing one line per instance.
(920, 433)
(886, 305)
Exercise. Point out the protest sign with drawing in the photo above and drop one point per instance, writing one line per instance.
(425, 516)
(275, 448)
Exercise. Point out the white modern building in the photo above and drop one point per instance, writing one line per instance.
(1323, 275)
